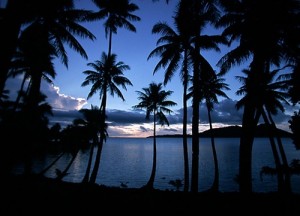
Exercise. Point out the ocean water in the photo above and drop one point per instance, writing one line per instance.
(129, 161)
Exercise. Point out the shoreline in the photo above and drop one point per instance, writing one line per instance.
(35, 194)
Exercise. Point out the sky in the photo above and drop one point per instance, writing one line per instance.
(66, 95)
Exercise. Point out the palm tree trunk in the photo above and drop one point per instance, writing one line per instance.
(88, 169)
(275, 155)
(97, 161)
(65, 172)
(32, 118)
(283, 156)
(184, 130)
(109, 43)
(51, 164)
(215, 186)
(246, 143)
(19, 93)
(150, 182)
(100, 145)
(195, 122)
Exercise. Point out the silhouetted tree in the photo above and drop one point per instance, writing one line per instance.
(106, 76)
(92, 121)
(294, 125)
(271, 47)
(269, 95)
(154, 100)
(118, 14)
(173, 50)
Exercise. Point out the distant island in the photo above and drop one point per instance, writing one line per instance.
(231, 131)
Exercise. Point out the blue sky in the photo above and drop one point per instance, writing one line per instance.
(67, 96)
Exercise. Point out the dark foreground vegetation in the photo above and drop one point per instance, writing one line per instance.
(40, 195)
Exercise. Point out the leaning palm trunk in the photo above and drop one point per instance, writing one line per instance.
(97, 161)
(19, 94)
(100, 145)
(51, 164)
(65, 172)
(215, 186)
(88, 169)
(283, 156)
(275, 154)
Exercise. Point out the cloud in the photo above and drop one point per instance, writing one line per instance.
(62, 101)
(64, 117)
(134, 123)
(56, 99)
(123, 117)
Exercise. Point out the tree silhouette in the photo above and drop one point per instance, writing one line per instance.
(118, 14)
(271, 47)
(105, 78)
(173, 50)
(154, 100)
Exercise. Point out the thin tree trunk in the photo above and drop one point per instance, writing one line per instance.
(97, 161)
(215, 186)
(150, 182)
(32, 118)
(88, 169)
(286, 168)
(275, 154)
(184, 130)
(19, 94)
(109, 43)
(65, 172)
(51, 164)
(245, 155)
(100, 145)
(195, 123)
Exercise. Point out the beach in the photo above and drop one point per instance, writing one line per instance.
(39, 195)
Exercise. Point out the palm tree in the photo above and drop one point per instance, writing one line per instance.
(278, 94)
(292, 80)
(10, 20)
(269, 48)
(154, 100)
(199, 14)
(32, 129)
(173, 49)
(105, 78)
(118, 13)
(58, 18)
(211, 86)
(210, 89)
(35, 59)
(91, 121)
(269, 96)
(31, 56)
(294, 125)
(56, 23)
(75, 138)
(48, 27)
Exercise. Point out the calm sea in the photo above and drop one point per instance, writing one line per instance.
(129, 161)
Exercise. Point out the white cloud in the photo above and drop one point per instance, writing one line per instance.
(56, 99)
(62, 101)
